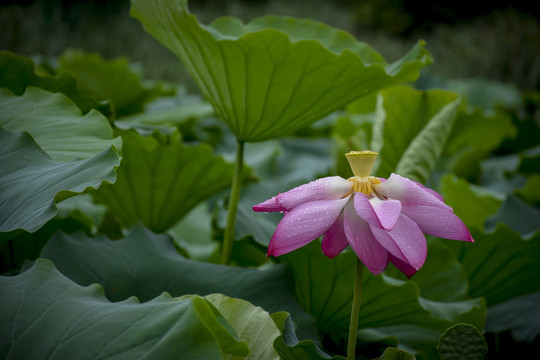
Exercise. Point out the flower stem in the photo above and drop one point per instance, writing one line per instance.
(228, 238)
(355, 310)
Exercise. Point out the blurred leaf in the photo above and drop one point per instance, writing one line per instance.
(410, 130)
(471, 203)
(499, 174)
(194, 233)
(19, 72)
(274, 75)
(56, 124)
(167, 112)
(520, 314)
(144, 265)
(467, 141)
(518, 215)
(531, 191)
(414, 339)
(162, 179)
(290, 348)
(42, 301)
(31, 183)
(82, 208)
(487, 94)
(109, 80)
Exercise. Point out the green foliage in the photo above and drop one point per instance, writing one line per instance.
(410, 130)
(462, 341)
(19, 72)
(270, 77)
(109, 80)
(144, 265)
(396, 354)
(32, 183)
(252, 324)
(290, 348)
(161, 180)
(324, 289)
(473, 204)
(520, 315)
(56, 124)
(49, 153)
(105, 329)
(274, 75)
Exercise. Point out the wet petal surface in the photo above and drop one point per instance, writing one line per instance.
(377, 212)
(334, 240)
(304, 224)
(328, 188)
(363, 242)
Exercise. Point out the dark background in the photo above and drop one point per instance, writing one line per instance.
(499, 41)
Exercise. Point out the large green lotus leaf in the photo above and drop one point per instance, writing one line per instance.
(56, 124)
(47, 316)
(501, 265)
(111, 80)
(19, 72)
(274, 75)
(324, 289)
(161, 180)
(31, 183)
(144, 265)
(410, 130)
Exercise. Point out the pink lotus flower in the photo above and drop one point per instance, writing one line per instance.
(382, 220)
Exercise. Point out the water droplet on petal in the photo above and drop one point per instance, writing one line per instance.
(266, 213)
(281, 212)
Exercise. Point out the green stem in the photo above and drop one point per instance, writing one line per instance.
(228, 239)
(355, 310)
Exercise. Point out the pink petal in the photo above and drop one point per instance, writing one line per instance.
(404, 267)
(438, 221)
(334, 240)
(363, 242)
(381, 213)
(405, 241)
(408, 191)
(328, 188)
(269, 205)
(304, 224)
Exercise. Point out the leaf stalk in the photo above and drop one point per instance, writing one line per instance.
(228, 238)
(355, 310)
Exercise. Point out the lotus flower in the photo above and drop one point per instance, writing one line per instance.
(382, 220)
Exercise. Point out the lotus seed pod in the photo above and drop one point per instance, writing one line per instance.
(462, 342)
